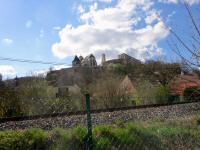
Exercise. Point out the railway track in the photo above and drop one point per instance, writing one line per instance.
(43, 116)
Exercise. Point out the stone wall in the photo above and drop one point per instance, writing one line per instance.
(161, 112)
(74, 75)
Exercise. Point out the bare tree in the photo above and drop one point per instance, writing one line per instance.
(188, 47)
(108, 93)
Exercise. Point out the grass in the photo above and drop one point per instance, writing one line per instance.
(158, 134)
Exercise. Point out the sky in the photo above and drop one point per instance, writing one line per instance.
(56, 30)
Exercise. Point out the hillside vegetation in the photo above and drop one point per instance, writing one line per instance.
(41, 95)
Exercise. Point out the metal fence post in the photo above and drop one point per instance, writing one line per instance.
(89, 123)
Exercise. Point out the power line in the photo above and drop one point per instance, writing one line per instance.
(48, 63)
(31, 61)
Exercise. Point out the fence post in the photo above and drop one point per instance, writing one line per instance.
(89, 123)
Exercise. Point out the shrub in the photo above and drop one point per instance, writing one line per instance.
(120, 123)
(145, 93)
(155, 135)
(120, 69)
(78, 138)
(162, 94)
(173, 136)
(129, 137)
(9, 102)
(34, 95)
(59, 139)
(32, 139)
(192, 94)
(148, 93)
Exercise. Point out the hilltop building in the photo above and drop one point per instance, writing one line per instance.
(76, 62)
(71, 80)
(122, 59)
(89, 61)
(81, 58)
(103, 60)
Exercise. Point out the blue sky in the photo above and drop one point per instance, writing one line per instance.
(56, 30)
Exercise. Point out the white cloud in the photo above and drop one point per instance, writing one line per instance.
(170, 16)
(169, 1)
(7, 41)
(29, 24)
(7, 70)
(191, 2)
(113, 30)
(153, 16)
(104, 1)
(81, 9)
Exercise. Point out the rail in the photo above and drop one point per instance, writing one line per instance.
(22, 118)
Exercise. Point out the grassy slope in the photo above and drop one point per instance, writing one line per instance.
(158, 134)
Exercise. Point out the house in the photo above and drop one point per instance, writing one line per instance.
(127, 85)
(65, 91)
(181, 82)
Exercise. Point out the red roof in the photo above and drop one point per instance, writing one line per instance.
(180, 83)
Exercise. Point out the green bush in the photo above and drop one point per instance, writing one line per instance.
(162, 94)
(32, 139)
(129, 137)
(9, 102)
(192, 94)
(120, 69)
(143, 136)
(175, 136)
(59, 139)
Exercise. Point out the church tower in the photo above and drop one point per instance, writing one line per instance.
(76, 62)
(103, 60)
